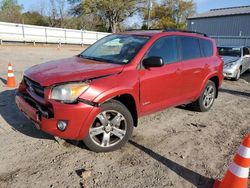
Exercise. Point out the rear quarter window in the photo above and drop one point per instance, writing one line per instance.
(206, 47)
(190, 48)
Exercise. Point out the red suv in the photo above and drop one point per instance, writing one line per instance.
(97, 96)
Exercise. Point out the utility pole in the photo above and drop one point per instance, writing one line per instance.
(149, 9)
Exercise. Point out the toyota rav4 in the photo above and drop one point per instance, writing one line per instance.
(98, 95)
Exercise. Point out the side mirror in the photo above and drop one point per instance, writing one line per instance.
(153, 61)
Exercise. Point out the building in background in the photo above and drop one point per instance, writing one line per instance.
(229, 26)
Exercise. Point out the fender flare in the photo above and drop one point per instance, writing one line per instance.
(206, 80)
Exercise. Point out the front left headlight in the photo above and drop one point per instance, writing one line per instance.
(68, 93)
(230, 65)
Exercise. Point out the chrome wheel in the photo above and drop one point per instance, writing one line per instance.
(108, 129)
(208, 96)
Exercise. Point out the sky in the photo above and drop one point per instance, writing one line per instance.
(206, 5)
(202, 5)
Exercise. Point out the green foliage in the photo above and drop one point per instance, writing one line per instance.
(170, 13)
(144, 27)
(10, 11)
(34, 18)
(109, 13)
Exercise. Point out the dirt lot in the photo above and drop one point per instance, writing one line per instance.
(173, 148)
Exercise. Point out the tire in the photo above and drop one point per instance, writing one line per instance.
(111, 129)
(237, 77)
(208, 94)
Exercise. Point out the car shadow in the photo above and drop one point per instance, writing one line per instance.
(14, 118)
(194, 178)
(187, 107)
(233, 92)
(246, 76)
(76, 143)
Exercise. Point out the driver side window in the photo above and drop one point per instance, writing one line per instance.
(166, 48)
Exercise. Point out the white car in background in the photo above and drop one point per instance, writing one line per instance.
(236, 60)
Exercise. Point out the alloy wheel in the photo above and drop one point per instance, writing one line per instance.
(108, 129)
(208, 96)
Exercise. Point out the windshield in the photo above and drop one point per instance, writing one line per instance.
(119, 49)
(229, 51)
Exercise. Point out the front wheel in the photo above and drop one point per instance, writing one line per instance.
(111, 129)
(206, 100)
(237, 77)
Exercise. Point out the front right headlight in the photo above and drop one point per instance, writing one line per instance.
(68, 93)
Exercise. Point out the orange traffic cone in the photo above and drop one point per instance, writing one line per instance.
(237, 174)
(11, 81)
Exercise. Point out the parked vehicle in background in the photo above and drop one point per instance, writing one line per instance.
(98, 95)
(236, 60)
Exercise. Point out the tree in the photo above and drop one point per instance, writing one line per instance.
(170, 13)
(10, 11)
(34, 18)
(61, 11)
(110, 13)
(53, 14)
(57, 13)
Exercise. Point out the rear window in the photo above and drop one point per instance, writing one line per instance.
(206, 47)
(190, 48)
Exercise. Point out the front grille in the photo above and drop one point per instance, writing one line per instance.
(34, 87)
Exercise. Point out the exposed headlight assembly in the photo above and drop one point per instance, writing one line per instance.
(68, 93)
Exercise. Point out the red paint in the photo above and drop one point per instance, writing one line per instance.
(152, 89)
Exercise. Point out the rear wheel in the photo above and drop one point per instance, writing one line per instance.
(111, 129)
(206, 100)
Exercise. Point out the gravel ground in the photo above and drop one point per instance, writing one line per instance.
(172, 148)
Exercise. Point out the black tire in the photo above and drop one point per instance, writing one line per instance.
(126, 125)
(199, 105)
(237, 77)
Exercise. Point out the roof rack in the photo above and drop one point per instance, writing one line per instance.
(186, 31)
(144, 30)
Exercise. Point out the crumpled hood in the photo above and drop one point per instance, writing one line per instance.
(70, 69)
(229, 59)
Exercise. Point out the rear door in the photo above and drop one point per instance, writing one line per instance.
(193, 67)
(160, 87)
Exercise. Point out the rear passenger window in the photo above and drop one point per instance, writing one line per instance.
(206, 47)
(190, 48)
(165, 48)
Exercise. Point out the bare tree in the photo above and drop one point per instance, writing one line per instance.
(52, 15)
(60, 4)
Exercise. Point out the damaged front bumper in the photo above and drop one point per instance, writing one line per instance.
(79, 116)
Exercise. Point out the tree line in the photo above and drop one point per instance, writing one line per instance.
(101, 15)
